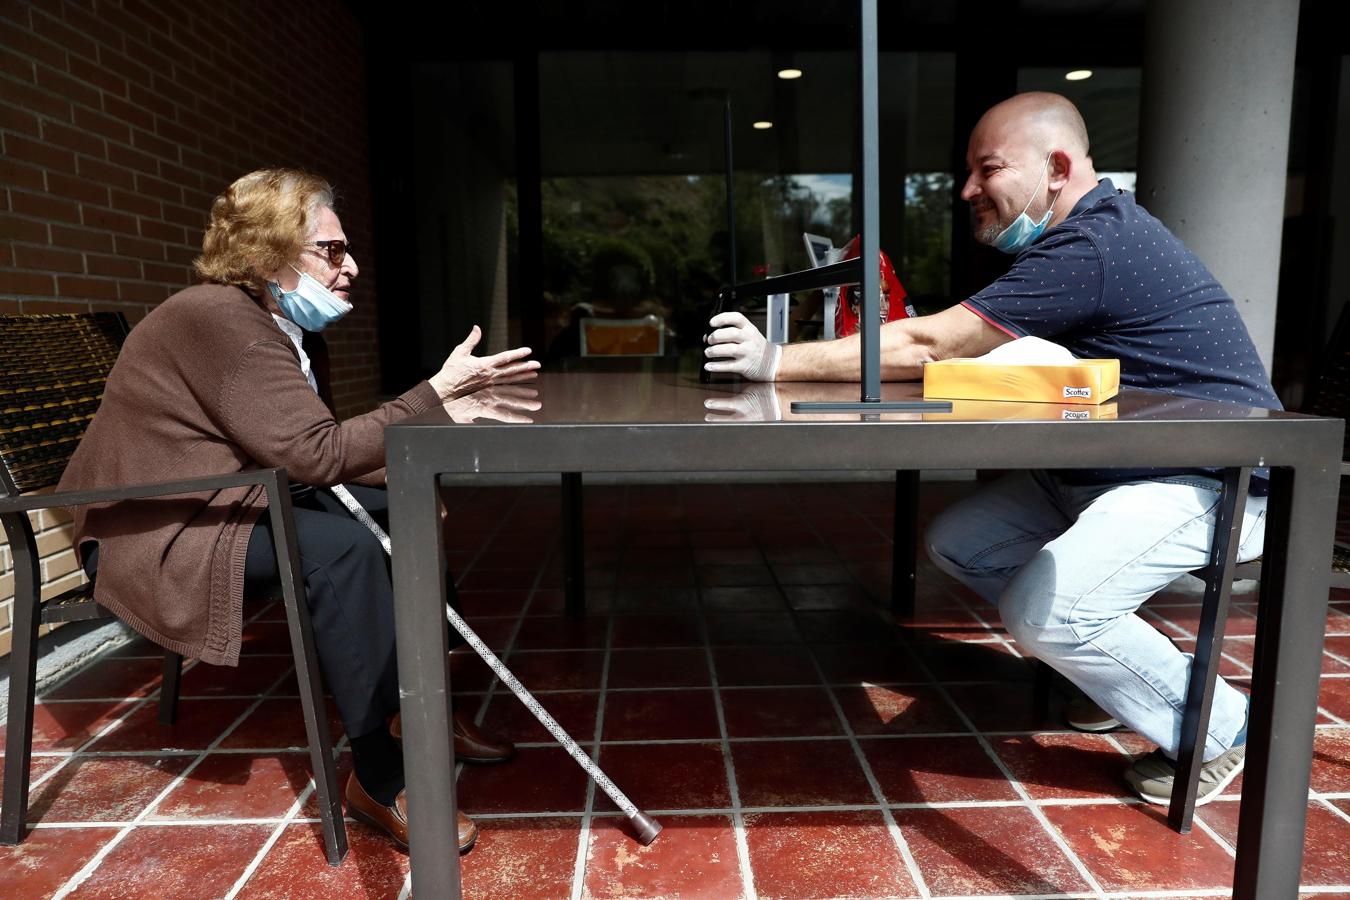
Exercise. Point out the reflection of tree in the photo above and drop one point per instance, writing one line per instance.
(632, 245)
(926, 264)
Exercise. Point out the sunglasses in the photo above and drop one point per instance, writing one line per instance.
(336, 250)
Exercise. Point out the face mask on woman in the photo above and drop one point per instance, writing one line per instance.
(311, 305)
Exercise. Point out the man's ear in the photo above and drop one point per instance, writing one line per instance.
(1061, 170)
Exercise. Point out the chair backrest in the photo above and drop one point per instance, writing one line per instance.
(623, 337)
(52, 372)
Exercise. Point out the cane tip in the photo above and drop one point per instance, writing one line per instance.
(645, 827)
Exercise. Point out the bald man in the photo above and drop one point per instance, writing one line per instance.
(1069, 556)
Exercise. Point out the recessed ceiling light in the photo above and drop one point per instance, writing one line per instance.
(762, 125)
(789, 74)
(1078, 75)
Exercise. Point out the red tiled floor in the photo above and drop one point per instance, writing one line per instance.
(539, 779)
(999, 707)
(250, 677)
(275, 724)
(115, 678)
(66, 726)
(825, 854)
(935, 770)
(558, 670)
(660, 715)
(898, 709)
(199, 723)
(48, 858)
(799, 773)
(666, 776)
(1060, 766)
(779, 712)
(238, 786)
(695, 856)
(845, 626)
(764, 665)
(1334, 697)
(1131, 847)
(172, 861)
(522, 859)
(959, 661)
(1000, 850)
(657, 630)
(103, 789)
(575, 711)
(560, 633)
(296, 868)
(674, 667)
(492, 603)
(1331, 761)
(752, 628)
(873, 663)
(668, 571)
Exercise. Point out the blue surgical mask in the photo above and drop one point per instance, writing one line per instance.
(1022, 231)
(311, 305)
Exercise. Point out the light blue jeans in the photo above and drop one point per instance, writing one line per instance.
(1069, 566)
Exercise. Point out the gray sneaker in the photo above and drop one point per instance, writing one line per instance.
(1152, 775)
(1082, 714)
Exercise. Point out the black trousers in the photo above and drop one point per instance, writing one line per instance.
(350, 595)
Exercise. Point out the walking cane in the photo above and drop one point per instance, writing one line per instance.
(645, 826)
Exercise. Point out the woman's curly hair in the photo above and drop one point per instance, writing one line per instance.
(259, 224)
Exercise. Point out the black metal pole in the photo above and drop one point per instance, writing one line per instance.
(869, 332)
(731, 190)
(869, 329)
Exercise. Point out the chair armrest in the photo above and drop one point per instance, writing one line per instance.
(272, 479)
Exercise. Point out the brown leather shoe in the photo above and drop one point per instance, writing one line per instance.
(393, 820)
(472, 744)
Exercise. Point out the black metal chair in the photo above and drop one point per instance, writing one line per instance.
(52, 374)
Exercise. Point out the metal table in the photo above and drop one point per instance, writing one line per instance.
(657, 422)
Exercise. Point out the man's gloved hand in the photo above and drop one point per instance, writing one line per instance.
(737, 346)
(755, 403)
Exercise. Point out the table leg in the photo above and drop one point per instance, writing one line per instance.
(1300, 519)
(424, 675)
(574, 545)
(906, 536)
(1208, 647)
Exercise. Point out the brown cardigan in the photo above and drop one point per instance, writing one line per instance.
(207, 384)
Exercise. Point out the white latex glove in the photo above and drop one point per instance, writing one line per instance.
(756, 403)
(737, 346)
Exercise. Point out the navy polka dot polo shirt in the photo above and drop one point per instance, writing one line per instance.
(1111, 281)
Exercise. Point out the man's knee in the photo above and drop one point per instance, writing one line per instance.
(942, 541)
(1031, 608)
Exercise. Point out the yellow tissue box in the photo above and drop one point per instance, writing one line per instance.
(1086, 381)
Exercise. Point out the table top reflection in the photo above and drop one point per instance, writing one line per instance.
(671, 398)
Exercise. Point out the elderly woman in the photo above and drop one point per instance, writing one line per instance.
(218, 379)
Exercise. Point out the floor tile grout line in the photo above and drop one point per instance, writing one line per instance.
(1239, 663)
(97, 860)
(674, 811)
(112, 726)
(892, 826)
(739, 834)
(271, 841)
(490, 694)
(584, 833)
(1044, 821)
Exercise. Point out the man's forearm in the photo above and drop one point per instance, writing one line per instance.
(902, 357)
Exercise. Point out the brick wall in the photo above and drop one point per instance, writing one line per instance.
(119, 122)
